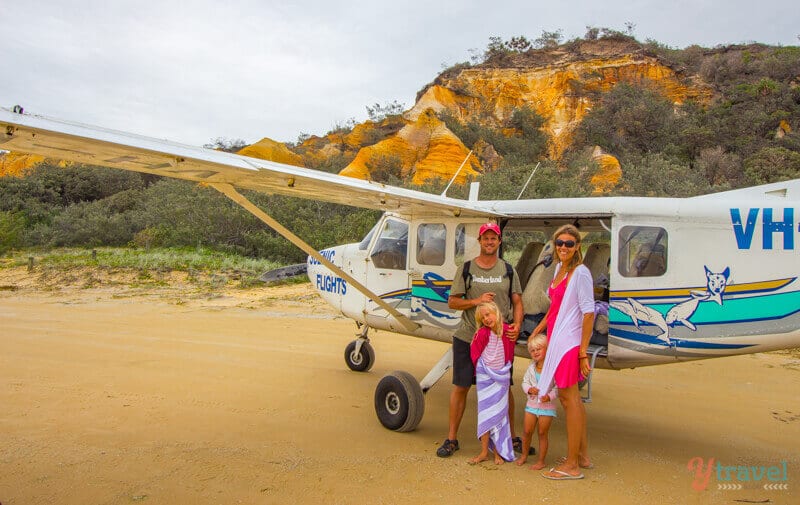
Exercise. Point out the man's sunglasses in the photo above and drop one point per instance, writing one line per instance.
(568, 243)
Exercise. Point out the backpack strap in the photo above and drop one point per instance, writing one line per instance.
(510, 275)
(467, 275)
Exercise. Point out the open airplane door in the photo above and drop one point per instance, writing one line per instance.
(387, 267)
(437, 248)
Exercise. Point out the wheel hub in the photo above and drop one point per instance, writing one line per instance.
(392, 403)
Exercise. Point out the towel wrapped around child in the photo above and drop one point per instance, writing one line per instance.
(493, 407)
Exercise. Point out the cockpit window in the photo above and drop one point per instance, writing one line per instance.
(431, 243)
(642, 251)
(391, 248)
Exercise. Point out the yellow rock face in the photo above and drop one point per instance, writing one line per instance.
(424, 149)
(268, 149)
(783, 129)
(16, 164)
(608, 174)
(561, 93)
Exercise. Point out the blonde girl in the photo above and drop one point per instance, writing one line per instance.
(492, 353)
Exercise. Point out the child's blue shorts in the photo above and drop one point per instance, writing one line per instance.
(541, 412)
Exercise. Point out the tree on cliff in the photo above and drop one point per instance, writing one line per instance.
(380, 112)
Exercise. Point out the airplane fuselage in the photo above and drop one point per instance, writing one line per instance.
(686, 278)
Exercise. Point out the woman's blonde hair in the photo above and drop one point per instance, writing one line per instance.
(569, 229)
(498, 323)
(538, 340)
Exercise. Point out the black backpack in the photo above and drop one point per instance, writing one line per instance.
(468, 276)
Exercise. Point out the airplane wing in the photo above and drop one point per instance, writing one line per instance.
(91, 145)
(789, 190)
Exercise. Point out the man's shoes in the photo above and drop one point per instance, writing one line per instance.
(447, 449)
(517, 442)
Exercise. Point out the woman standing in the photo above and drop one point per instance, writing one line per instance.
(569, 322)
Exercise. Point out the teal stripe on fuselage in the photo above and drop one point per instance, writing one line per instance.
(426, 293)
(732, 310)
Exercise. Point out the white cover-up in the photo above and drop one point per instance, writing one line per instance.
(578, 300)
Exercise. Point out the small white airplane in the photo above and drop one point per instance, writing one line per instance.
(682, 278)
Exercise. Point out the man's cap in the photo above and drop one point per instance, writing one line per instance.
(489, 227)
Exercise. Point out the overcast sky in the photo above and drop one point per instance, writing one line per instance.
(192, 71)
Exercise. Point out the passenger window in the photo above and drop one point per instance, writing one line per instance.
(460, 235)
(391, 248)
(642, 251)
(466, 249)
(431, 243)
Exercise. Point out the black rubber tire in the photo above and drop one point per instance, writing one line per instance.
(362, 361)
(399, 402)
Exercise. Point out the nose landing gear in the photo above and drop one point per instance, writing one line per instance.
(359, 355)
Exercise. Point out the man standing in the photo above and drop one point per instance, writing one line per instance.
(484, 279)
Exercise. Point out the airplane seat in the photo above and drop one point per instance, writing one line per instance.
(598, 260)
(432, 252)
(600, 330)
(527, 260)
(649, 261)
(534, 295)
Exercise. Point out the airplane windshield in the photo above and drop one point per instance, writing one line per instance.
(362, 246)
(391, 248)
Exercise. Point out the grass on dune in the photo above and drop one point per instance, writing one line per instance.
(196, 261)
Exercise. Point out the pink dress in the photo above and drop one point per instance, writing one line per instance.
(556, 294)
(569, 301)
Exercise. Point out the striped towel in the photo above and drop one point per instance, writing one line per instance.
(492, 388)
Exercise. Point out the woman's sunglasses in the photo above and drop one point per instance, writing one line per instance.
(568, 243)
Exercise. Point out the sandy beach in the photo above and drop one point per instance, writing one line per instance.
(112, 393)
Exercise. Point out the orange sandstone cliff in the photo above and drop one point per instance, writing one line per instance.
(560, 84)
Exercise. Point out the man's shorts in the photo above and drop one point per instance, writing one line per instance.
(463, 369)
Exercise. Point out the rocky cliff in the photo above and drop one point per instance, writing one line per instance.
(562, 91)
(15, 164)
(560, 84)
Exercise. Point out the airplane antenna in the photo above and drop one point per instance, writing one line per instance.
(529, 180)
(457, 172)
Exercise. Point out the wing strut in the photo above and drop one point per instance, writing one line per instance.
(229, 191)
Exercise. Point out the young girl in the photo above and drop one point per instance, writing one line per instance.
(492, 354)
(542, 411)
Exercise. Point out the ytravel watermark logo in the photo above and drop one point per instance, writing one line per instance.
(774, 477)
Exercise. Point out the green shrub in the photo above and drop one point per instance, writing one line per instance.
(11, 227)
(772, 164)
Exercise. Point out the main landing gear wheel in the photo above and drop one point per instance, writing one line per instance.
(399, 402)
(359, 361)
